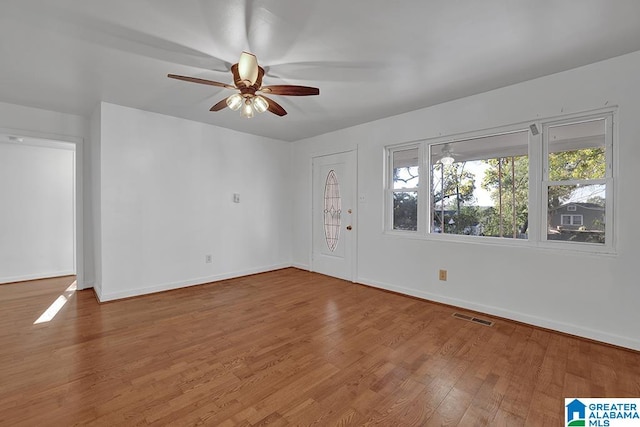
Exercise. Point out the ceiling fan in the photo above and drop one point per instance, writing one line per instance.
(247, 78)
(447, 156)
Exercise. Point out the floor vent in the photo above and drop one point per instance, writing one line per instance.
(473, 319)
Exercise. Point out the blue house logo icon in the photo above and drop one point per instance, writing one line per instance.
(576, 413)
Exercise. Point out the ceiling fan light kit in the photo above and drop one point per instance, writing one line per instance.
(447, 160)
(447, 157)
(260, 104)
(235, 101)
(247, 79)
(247, 109)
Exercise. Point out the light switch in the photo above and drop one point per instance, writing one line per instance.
(236, 197)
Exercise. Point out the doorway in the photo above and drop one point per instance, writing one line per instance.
(38, 219)
(334, 215)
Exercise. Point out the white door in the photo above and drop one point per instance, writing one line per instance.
(334, 234)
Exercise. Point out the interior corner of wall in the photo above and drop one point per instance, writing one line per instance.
(97, 289)
(86, 284)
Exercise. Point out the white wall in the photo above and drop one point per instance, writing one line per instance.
(37, 215)
(166, 200)
(39, 123)
(587, 295)
(44, 123)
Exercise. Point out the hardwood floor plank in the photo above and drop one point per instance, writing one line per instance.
(545, 410)
(286, 348)
(451, 409)
(507, 419)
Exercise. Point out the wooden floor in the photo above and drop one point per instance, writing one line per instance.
(286, 348)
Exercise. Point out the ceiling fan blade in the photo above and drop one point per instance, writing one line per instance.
(248, 68)
(219, 106)
(291, 90)
(274, 107)
(201, 81)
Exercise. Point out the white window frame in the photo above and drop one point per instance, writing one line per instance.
(538, 185)
(503, 130)
(389, 190)
(608, 181)
(571, 208)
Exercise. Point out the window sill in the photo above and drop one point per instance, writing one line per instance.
(546, 247)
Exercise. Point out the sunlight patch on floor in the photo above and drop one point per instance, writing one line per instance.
(57, 305)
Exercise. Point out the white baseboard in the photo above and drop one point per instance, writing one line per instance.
(37, 276)
(301, 266)
(104, 297)
(568, 328)
(87, 284)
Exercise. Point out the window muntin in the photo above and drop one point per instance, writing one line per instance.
(576, 179)
(485, 190)
(405, 179)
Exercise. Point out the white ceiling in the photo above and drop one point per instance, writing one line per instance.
(370, 58)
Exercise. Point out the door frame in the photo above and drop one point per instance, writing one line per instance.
(353, 253)
(78, 190)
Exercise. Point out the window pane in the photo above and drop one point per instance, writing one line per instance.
(405, 210)
(405, 169)
(332, 210)
(485, 189)
(577, 151)
(585, 221)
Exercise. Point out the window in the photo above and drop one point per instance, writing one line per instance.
(571, 219)
(551, 188)
(480, 186)
(332, 210)
(405, 178)
(577, 175)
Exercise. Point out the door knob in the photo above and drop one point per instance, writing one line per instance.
(349, 227)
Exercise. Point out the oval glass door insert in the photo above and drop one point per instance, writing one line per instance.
(332, 210)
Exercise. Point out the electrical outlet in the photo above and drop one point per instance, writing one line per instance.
(208, 259)
(443, 275)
